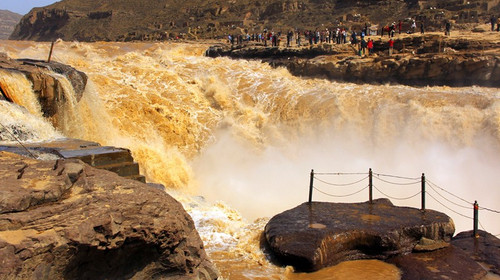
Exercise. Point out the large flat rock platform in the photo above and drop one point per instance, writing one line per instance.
(320, 234)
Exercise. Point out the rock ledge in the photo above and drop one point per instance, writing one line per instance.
(66, 220)
(321, 234)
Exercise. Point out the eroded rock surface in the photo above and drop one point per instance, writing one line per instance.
(484, 249)
(66, 220)
(321, 234)
(448, 263)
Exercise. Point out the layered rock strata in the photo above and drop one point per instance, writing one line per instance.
(420, 60)
(66, 220)
(114, 159)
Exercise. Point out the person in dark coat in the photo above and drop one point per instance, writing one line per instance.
(447, 28)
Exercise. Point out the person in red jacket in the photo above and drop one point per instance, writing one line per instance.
(370, 46)
(391, 46)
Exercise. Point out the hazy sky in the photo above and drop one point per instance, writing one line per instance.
(23, 6)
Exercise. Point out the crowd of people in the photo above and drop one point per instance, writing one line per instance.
(340, 35)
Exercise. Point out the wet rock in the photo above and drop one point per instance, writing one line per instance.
(426, 244)
(48, 88)
(320, 234)
(485, 249)
(77, 78)
(66, 220)
(448, 263)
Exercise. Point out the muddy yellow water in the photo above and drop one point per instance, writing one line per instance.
(235, 140)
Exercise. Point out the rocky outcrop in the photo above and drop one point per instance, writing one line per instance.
(319, 234)
(273, 53)
(431, 69)
(419, 60)
(46, 85)
(66, 220)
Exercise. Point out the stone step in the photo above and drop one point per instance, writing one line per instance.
(99, 156)
(117, 160)
(122, 169)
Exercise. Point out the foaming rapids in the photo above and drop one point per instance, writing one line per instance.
(245, 137)
(24, 123)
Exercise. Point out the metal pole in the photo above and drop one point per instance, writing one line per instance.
(423, 191)
(476, 219)
(51, 48)
(311, 186)
(370, 184)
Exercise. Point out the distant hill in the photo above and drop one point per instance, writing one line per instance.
(126, 20)
(8, 21)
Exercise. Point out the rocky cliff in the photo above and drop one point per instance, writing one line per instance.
(66, 220)
(117, 20)
(428, 59)
(8, 21)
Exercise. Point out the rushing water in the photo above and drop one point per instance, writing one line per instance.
(235, 140)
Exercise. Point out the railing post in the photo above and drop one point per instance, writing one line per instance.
(311, 186)
(423, 191)
(370, 184)
(476, 219)
(51, 48)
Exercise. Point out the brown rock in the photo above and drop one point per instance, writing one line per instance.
(426, 244)
(69, 220)
(448, 263)
(46, 86)
(320, 234)
(484, 249)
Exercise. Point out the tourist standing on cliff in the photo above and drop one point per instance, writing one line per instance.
(493, 20)
(391, 46)
(363, 45)
(447, 28)
(297, 38)
(370, 46)
(354, 40)
(498, 24)
(289, 38)
(422, 28)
